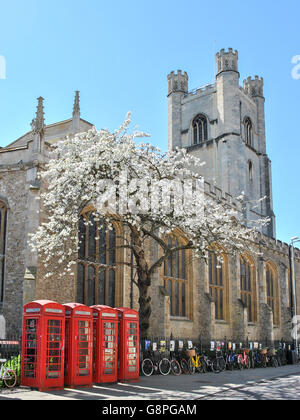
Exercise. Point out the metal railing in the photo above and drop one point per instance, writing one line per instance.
(10, 347)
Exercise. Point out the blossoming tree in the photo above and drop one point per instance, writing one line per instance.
(150, 193)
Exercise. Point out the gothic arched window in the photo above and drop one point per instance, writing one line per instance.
(250, 170)
(218, 284)
(3, 228)
(248, 132)
(96, 268)
(248, 289)
(272, 292)
(176, 279)
(200, 132)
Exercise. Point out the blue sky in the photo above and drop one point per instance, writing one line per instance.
(118, 54)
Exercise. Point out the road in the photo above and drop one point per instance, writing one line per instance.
(256, 384)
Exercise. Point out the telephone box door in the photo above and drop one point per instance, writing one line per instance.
(54, 365)
(132, 348)
(109, 351)
(128, 345)
(30, 351)
(105, 358)
(84, 351)
(79, 333)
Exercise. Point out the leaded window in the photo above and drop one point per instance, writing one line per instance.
(96, 268)
(200, 131)
(217, 284)
(272, 292)
(248, 290)
(248, 132)
(176, 279)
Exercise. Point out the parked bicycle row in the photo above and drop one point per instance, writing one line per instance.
(177, 360)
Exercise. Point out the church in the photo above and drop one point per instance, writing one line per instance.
(246, 297)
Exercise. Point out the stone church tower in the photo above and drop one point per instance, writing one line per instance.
(224, 125)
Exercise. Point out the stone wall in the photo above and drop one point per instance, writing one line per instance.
(14, 191)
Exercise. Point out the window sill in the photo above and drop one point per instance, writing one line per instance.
(180, 318)
(221, 322)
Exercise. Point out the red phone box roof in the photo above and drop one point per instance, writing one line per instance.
(78, 309)
(103, 311)
(48, 307)
(127, 313)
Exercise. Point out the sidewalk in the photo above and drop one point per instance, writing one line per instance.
(184, 387)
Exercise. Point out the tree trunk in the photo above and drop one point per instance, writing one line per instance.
(144, 282)
(145, 309)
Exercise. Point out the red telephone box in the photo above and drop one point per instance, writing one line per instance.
(79, 345)
(105, 359)
(43, 345)
(128, 369)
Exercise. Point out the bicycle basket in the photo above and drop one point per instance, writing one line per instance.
(191, 353)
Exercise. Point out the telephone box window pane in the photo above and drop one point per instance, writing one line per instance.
(54, 346)
(83, 349)
(109, 344)
(131, 347)
(30, 348)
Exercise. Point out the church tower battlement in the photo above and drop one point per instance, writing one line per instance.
(227, 61)
(178, 82)
(254, 87)
(224, 126)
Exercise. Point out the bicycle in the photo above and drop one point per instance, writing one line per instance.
(154, 363)
(7, 375)
(207, 363)
(219, 363)
(272, 358)
(196, 362)
(183, 363)
(256, 360)
(175, 365)
(231, 360)
(244, 360)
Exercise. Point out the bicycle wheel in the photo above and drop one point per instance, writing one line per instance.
(164, 366)
(192, 367)
(147, 367)
(248, 362)
(10, 378)
(184, 366)
(175, 367)
(216, 366)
